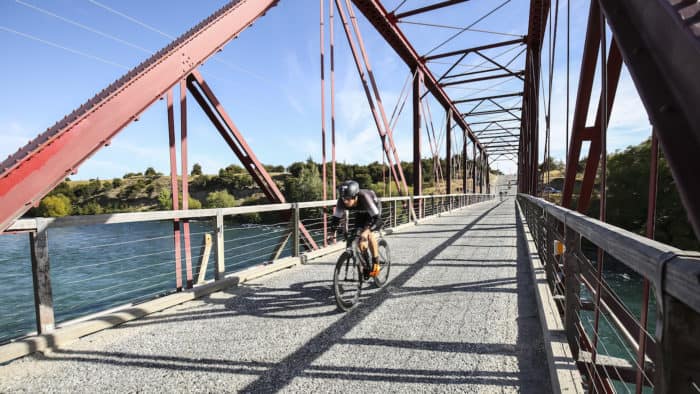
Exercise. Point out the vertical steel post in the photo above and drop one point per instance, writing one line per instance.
(379, 117)
(481, 172)
(650, 229)
(417, 167)
(174, 190)
(185, 181)
(473, 167)
(678, 370)
(332, 65)
(323, 131)
(220, 258)
(464, 163)
(603, 175)
(488, 176)
(41, 278)
(448, 151)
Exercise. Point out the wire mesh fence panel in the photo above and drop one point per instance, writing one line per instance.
(97, 267)
(17, 302)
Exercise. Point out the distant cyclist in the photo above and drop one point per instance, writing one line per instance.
(368, 218)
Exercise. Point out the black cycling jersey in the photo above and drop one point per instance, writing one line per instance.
(368, 207)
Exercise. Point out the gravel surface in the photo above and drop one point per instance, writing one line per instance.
(458, 315)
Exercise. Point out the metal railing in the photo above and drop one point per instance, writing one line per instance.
(607, 329)
(103, 262)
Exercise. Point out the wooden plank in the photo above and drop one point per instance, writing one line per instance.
(220, 264)
(204, 253)
(43, 296)
(295, 231)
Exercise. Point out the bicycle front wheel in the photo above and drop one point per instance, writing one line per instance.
(347, 282)
(384, 264)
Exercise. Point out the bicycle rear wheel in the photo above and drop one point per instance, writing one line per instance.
(384, 264)
(347, 282)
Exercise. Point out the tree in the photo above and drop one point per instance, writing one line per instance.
(165, 201)
(307, 186)
(628, 184)
(196, 169)
(55, 206)
(220, 199)
(193, 203)
(150, 172)
(553, 165)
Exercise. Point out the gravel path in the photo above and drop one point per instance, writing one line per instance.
(458, 315)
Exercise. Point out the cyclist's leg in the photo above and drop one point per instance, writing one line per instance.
(373, 245)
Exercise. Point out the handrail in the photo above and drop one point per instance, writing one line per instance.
(133, 217)
(643, 255)
(671, 355)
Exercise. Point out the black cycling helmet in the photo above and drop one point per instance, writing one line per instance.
(348, 189)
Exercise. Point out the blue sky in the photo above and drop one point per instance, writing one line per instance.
(57, 54)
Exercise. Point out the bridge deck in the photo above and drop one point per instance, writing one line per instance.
(458, 315)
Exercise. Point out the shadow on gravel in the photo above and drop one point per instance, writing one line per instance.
(299, 363)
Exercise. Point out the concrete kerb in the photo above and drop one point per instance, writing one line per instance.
(565, 376)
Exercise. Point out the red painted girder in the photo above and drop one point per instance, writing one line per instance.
(583, 98)
(530, 113)
(614, 66)
(380, 18)
(38, 167)
(214, 110)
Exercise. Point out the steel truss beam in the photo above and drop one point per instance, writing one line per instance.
(479, 48)
(382, 123)
(380, 18)
(486, 78)
(426, 9)
(580, 133)
(493, 111)
(527, 157)
(662, 55)
(39, 166)
(515, 94)
(500, 66)
(466, 74)
(495, 121)
(224, 125)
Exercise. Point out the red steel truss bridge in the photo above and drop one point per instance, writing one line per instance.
(472, 263)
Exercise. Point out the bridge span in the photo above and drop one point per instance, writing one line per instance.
(459, 314)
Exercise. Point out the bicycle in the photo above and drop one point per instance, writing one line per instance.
(353, 267)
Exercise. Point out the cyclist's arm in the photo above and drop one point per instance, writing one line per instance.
(373, 211)
(338, 214)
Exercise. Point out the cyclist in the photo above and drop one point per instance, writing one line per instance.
(352, 198)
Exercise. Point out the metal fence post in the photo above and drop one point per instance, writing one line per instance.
(548, 250)
(220, 263)
(395, 212)
(43, 296)
(677, 367)
(295, 230)
(572, 289)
